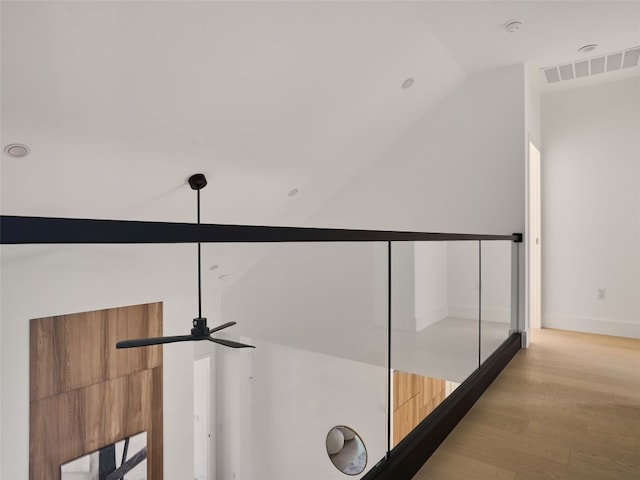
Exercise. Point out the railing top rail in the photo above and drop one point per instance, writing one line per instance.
(48, 230)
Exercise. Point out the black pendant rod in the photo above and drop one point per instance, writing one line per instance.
(197, 182)
(199, 266)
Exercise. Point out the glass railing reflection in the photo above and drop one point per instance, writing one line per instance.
(496, 295)
(435, 325)
(317, 314)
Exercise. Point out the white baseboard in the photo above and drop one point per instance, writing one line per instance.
(431, 317)
(615, 328)
(489, 314)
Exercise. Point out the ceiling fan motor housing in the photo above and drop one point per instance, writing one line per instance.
(200, 327)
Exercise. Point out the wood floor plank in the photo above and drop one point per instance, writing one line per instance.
(566, 408)
(465, 468)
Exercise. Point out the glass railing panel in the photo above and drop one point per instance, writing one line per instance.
(435, 327)
(310, 400)
(496, 295)
(316, 314)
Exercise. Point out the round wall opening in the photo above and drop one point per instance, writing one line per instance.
(346, 450)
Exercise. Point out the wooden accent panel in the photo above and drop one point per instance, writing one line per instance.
(414, 397)
(56, 353)
(405, 418)
(86, 395)
(125, 323)
(405, 387)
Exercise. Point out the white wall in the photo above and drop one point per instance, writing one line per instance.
(532, 106)
(318, 297)
(463, 280)
(418, 284)
(40, 281)
(496, 281)
(403, 277)
(431, 304)
(276, 404)
(459, 169)
(591, 208)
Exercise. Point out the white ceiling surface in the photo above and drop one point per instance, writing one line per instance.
(473, 32)
(121, 102)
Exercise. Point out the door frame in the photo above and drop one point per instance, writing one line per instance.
(533, 214)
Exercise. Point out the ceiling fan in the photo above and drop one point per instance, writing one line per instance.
(200, 331)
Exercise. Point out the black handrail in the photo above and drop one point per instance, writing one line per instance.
(48, 230)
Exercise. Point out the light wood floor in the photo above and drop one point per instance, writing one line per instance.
(566, 408)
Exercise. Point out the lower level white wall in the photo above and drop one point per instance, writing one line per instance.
(591, 208)
(276, 404)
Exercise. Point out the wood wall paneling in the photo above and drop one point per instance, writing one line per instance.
(59, 345)
(85, 395)
(125, 323)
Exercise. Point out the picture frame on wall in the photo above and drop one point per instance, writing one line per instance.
(111, 462)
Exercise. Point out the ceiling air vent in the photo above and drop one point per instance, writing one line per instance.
(592, 66)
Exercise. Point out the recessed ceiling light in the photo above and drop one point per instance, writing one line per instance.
(16, 150)
(513, 26)
(293, 192)
(407, 83)
(588, 48)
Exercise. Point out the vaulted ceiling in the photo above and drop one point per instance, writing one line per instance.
(120, 102)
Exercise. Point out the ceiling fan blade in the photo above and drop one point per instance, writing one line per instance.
(145, 342)
(229, 343)
(220, 327)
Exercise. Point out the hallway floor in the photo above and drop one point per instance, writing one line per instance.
(566, 408)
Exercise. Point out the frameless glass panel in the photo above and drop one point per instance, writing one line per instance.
(496, 294)
(317, 315)
(434, 334)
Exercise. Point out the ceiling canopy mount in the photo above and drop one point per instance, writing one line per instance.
(198, 181)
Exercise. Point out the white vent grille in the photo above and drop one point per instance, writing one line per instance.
(592, 66)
